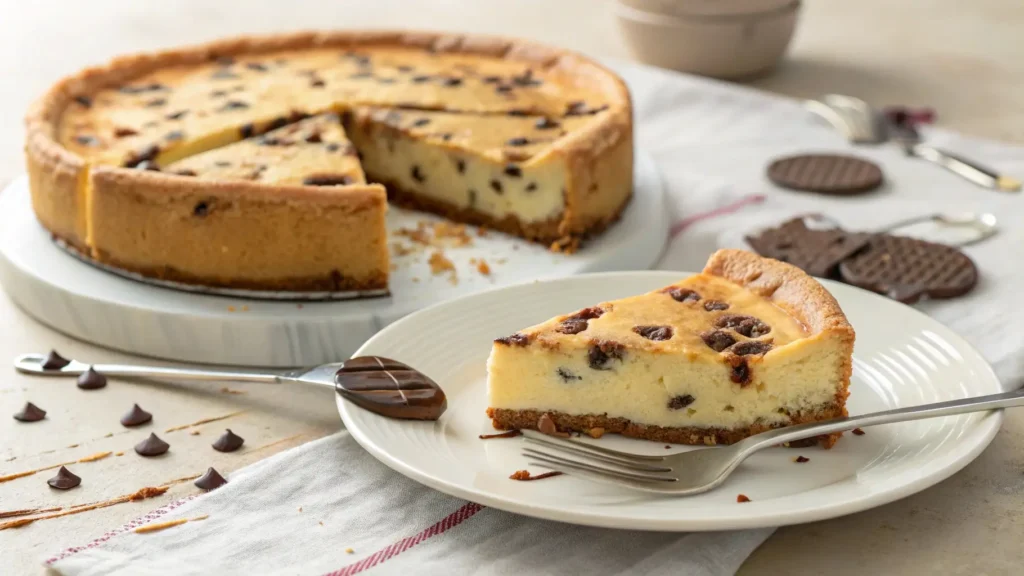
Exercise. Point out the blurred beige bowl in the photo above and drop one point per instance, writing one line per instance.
(684, 8)
(731, 47)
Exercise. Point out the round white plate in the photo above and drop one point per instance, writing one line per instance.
(902, 358)
(86, 302)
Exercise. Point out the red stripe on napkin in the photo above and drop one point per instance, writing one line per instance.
(385, 554)
(724, 210)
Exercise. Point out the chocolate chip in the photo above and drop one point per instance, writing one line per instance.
(276, 123)
(152, 446)
(273, 141)
(450, 82)
(496, 186)
(518, 113)
(446, 136)
(146, 154)
(54, 361)
(502, 88)
(417, 175)
(360, 75)
(135, 417)
(218, 94)
(858, 432)
(30, 413)
(680, 402)
(656, 333)
(317, 83)
(516, 339)
(491, 79)
(156, 103)
(405, 69)
(526, 79)
(546, 124)
(174, 135)
(420, 122)
(185, 172)
(390, 388)
(314, 138)
(256, 66)
(572, 326)
(327, 180)
(386, 80)
(683, 295)
(64, 480)
(84, 101)
(746, 325)
(601, 354)
(138, 89)
(751, 348)
(91, 380)
(717, 340)
(590, 313)
(802, 459)
(472, 197)
(460, 165)
(222, 163)
(575, 108)
(210, 481)
(121, 132)
(740, 372)
(712, 305)
(513, 170)
(201, 210)
(228, 442)
(567, 375)
(531, 186)
(234, 105)
(86, 140)
(332, 147)
(421, 79)
(546, 425)
(224, 74)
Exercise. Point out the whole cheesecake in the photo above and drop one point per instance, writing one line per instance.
(258, 162)
(749, 344)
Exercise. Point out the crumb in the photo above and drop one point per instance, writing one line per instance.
(801, 459)
(481, 232)
(455, 232)
(160, 526)
(595, 432)
(472, 261)
(245, 308)
(520, 475)
(415, 279)
(667, 447)
(401, 249)
(108, 435)
(525, 476)
(231, 308)
(73, 445)
(515, 246)
(483, 268)
(118, 453)
(349, 551)
(194, 433)
(741, 499)
(501, 260)
(439, 263)
(299, 306)
(226, 390)
(858, 432)
(300, 508)
(321, 523)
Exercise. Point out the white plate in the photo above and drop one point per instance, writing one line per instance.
(902, 358)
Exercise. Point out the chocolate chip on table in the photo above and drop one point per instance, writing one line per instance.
(801, 459)
(751, 348)
(516, 339)
(85, 101)
(567, 375)
(858, 432)
(122, 132)
(680, 402)
(746, 325)
(717, 340)
(513, 170)
(601, 354)
(86, 140)
(546, 425)
(64, 480)
(496, 186)
(683, 294)
(715, 305)
(417, 175)
(546, 124)
(656, 333)
(390, 388)
(156, 103)
(211, 480)
(136, 416)
(143, 155)
(327, 180)
(201, 209)
(91, 380)
(228, 442)
(54, 361)
(517, 141)
(152, 446)
(30, 413)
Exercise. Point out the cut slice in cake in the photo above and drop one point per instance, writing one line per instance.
(747, 345)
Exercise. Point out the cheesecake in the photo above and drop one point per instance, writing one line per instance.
(523, 138)
(747, 345)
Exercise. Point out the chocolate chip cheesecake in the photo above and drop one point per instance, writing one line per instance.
(747, 345)
(222, 164)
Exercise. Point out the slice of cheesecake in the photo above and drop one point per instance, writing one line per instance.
(747, 345)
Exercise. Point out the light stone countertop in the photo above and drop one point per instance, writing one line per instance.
(967, 62)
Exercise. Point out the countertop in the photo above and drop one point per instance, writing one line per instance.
(966, 64)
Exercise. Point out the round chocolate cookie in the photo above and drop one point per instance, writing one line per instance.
(826, 174)
(905, 269)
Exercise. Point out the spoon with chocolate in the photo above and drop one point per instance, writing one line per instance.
(380, 385)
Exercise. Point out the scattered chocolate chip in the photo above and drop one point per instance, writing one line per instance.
(135, 416)
(516, 339)
(390, 388)
(801, 459)
(234, 105)
(713, 305)
(121, 132)
(513, 170)
(420, 122)
(256, 66)
(91, 380)
(545, 425)
(86, 140)
(656, 333)
(152, 446)
(146, 154)
(201, 210)
(496, 186)
(717, 340)
(156, 103)
(803, 443)
(224, 74)
(572, 326)
(746, 325)
(30, 413)
(421, 79)
(601, 354)
(680, 402)
(64, 480)
(54, 361)
(228, 442)
(460, 165)
(517, 141)
(210, 481)
(683, 295)
(858, 432)
(567, 375)
(740, 498)
(450, 82)
(417, 175)
(751, 348)
(84, 101)
(138, 89)
(174, 135)
(740, 373)
(327, 180)
(546, 124)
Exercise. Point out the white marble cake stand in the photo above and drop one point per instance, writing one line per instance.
(88, 303)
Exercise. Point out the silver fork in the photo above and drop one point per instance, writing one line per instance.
(701, 470)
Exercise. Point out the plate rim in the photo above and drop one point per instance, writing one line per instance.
(987, 426)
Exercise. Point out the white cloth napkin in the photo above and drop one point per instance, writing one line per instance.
(712, 142)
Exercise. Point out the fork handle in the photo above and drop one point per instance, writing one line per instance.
(963, 167)
(949, 408)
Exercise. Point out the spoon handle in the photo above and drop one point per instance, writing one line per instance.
(33, 364)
